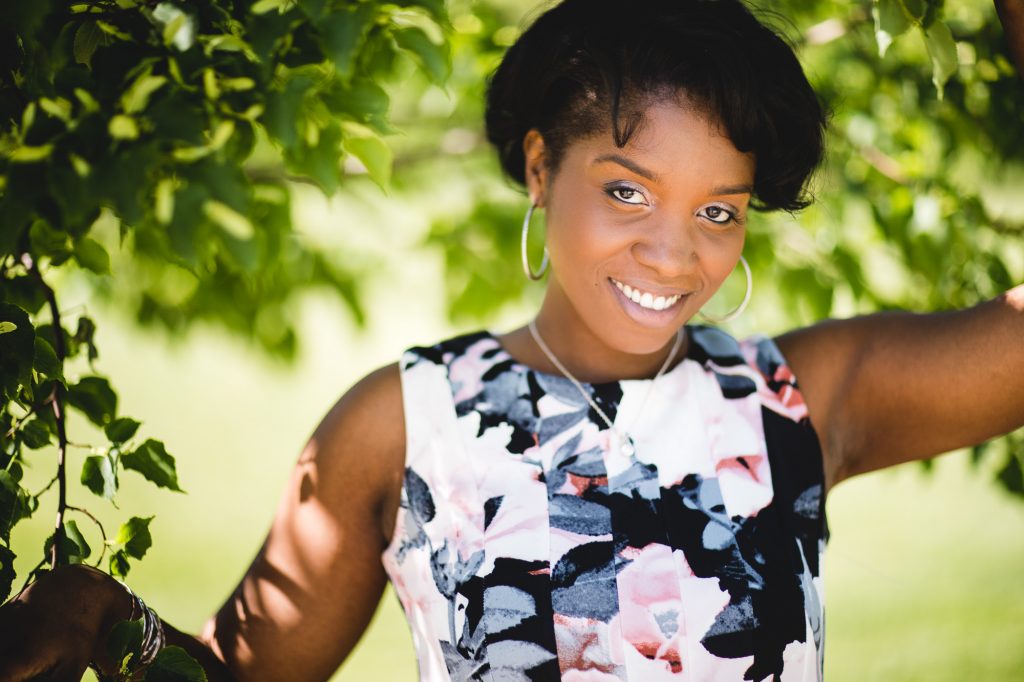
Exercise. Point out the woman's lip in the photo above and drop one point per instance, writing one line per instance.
(646, 316)
(651, 290)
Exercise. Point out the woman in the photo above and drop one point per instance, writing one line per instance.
(609, 492)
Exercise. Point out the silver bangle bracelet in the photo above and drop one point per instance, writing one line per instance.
(153, 637)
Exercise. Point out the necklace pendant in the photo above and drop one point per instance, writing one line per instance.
(626, 447)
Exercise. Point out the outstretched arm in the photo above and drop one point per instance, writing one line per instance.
(894, 387)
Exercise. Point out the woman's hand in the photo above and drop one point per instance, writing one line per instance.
(59, 623)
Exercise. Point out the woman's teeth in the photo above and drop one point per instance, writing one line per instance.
(645, 299)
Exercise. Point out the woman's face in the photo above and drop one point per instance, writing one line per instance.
(641, 237)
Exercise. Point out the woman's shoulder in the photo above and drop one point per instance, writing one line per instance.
(749, 364)
(444, 351)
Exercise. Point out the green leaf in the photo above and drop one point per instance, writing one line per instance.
(35, 433)
(92, 256)
(100, 476)
(264, 6)
(342, 32)
(75, 536)
(942, 50)
(163, 203)
(30, 154)
(87, 38)
(121, 429)
(119, 564)
(890, 21)
(230, 220)
(134, 535)
(50, 242)
(45, 360)
(1011, 474)
(94, 398)
(125, 639)
(375, 154)
(123, 127)
(178, 28)
(7, 574)
(152, 461)
(322, 161)
(14, 505)
(174, 664)
(69, 549)
(6, 327)
(432, 57)
(84, 334)
(17, 349)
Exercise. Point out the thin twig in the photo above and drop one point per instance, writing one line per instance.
(23, 418)
(99, 525)
(48, 486)
(31, 573)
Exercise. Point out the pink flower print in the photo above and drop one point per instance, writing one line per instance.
(650, 608)
(466, 374)
(788, 401)
(586, 648)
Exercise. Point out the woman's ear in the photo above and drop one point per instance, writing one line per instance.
(536, 171)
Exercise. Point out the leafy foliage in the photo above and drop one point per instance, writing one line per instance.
(169, 135)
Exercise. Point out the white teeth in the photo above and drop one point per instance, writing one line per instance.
(647, 300)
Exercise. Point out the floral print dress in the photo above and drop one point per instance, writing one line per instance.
(528, 548)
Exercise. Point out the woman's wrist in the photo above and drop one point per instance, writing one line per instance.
(118, 603)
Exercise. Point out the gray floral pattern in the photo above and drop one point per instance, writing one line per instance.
(527, 548)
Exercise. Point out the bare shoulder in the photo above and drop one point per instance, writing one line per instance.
(361, 441)
(820, 357)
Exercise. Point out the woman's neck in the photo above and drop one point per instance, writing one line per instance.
(588, 354)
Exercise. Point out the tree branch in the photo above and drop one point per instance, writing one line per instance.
(57, 557)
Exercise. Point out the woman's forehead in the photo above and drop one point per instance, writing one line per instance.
(670, 138)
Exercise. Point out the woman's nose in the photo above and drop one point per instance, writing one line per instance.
(668, 248)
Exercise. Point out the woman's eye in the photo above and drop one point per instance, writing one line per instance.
(720, 215)
(627, 195)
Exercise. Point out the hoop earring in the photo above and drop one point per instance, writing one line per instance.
(526, 260)
(743, 305)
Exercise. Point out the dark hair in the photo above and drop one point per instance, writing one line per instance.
(585, 66)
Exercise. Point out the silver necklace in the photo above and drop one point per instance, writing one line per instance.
(625, 442)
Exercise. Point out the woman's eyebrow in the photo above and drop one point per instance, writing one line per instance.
(628, 164)
(733, 189)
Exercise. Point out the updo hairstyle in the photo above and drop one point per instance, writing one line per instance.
(586, 67)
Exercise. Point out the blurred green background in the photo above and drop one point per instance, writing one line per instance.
(230, 339)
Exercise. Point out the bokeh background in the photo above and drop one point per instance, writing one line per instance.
(404, 232)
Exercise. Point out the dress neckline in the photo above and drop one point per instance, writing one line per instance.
(523, 368)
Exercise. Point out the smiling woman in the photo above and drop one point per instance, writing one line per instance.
(653, 218)
(608, 492)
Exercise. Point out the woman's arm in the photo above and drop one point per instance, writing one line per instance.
(1011, 14)
(894, 387)
(315, 583)
(309, 593)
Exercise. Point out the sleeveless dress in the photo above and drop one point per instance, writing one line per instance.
(528, 548)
